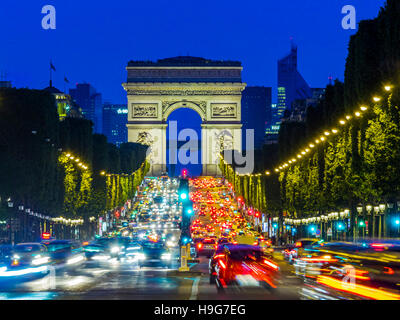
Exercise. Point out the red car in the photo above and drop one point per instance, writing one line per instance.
(206, 247)
(244, 265)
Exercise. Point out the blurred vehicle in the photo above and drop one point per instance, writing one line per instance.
(206, 247)
(289, 253)
(300, 246)
(100, 249)
(243, 265)
(155, 254)
(367, 270)
(265, 245)
(214, 260)
(69, 252)
(133, 250)
(26, 260)
(118, 247)
(224, 240)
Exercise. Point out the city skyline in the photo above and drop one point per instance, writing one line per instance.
(105, 69)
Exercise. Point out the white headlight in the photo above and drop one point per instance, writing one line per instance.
(115, 249)
(39, 260)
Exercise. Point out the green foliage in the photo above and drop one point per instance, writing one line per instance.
(35, 171)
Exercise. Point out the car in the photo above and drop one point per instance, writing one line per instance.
(100, 249)
(289, 252)
(341, 270)
(155, 254)
(68, 252)
(213, 261)
(301, 245)
(133, 250)
(244, 265)
(206, 247)
(224, 240)
(27, 260)
(28, 254)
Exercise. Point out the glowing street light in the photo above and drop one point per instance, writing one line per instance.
(363, 108)
(376, 99)
(342, 122)
(388, 88)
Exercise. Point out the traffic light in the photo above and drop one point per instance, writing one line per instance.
(183, 196)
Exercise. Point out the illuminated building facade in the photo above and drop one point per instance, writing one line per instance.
(66, 107)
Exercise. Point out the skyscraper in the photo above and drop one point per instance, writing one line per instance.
(90, 102)
(291, 85)
(114, 123)
(256, 113)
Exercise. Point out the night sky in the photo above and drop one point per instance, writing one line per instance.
(95, 39)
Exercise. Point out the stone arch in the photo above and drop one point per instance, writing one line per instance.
(199, 107)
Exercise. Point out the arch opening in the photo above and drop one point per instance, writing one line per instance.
(184, 141)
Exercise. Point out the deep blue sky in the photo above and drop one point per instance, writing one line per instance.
(95, 39)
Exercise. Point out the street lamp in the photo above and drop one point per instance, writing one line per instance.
(359, 209)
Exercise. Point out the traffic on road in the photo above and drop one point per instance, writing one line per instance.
(141, 258)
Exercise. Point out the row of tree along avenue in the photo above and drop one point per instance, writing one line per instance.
(58, 173)
(337, 175)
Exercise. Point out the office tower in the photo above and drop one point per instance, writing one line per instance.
(90, 102)
(256, 113)
(114, 122)
(291, 85)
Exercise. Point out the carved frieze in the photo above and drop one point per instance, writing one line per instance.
(144, 110)
(183, 92)
(223, 110)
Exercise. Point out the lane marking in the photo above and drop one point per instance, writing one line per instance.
(195, 289)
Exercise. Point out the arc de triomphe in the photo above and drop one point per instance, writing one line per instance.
(211, 88)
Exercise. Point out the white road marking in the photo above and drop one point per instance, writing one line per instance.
(195, 289)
